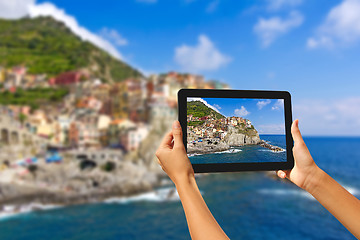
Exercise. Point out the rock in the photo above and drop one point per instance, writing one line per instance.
(237, 139)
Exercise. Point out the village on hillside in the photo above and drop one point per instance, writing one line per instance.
(209, 127)
(73, 137)
(93, 114)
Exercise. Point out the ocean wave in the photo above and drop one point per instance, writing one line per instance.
(287, 192)
(268, 150)
(193, 154)
(229, 151)
(232, 150)
(159, 195)
(10, 211)
(301, 193)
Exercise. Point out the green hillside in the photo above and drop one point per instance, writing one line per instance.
(199, 109)
(45, 45)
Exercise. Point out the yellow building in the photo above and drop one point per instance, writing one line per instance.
(119, 99)
(2, 75)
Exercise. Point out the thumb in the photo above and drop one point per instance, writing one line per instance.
(283, 174)
(177, 133)
(295, 132)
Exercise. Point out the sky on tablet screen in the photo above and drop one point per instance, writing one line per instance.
(267, 115)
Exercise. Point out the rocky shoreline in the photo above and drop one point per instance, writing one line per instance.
(73, 182)
(211, 146)
(91, 186)
(216, 145)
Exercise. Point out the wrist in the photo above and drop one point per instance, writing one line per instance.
(314, 180)
(183, 180)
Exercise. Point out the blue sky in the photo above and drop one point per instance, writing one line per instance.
(309, 48)
(267, 115)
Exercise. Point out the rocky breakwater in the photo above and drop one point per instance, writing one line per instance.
(271, 147)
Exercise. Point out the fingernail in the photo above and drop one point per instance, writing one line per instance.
(282, 175)
(176, 124)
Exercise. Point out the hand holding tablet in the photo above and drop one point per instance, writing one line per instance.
(236, 130)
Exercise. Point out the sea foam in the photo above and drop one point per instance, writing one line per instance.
(301, 193)
(159, 195)
(10, 211)
(229, 151)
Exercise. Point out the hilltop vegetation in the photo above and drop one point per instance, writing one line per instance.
(199, 109)
(33, 97)
(45, 45)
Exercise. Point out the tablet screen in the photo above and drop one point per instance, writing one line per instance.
(235, 130)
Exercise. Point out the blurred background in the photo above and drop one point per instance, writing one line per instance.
(88, 89)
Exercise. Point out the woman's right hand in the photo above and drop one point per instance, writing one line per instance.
(172, 156)
(305, 172)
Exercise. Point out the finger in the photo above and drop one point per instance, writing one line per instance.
(281, 174)
(177, 133)
(295, 132)
(166, 142)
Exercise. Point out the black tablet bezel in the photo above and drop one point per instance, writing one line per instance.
(183, 94)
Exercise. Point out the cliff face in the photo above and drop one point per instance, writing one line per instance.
(235, 138)
(242, 139)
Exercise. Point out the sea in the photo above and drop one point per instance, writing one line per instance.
(250, 205)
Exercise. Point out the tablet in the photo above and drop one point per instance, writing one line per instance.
(236, 130)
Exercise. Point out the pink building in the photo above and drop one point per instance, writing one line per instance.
(67, 78)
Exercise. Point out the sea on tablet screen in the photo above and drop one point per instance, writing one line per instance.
(235, 130)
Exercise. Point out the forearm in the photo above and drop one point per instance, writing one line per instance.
(338, 201)
(202, 224)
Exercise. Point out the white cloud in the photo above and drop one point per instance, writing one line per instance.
(341, 26)
(279, 104)
(217, 106)
(113, 36)
(271, 75)
(271, 129)
(213, 107)
(268, 30)
(13, 9)
(274, 5)
(241, 112)
(320, 41)
(331, 117)
(262, 103)
(213, 5)
(202, 57)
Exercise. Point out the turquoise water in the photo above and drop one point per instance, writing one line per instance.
(247, 205)
(247, 153)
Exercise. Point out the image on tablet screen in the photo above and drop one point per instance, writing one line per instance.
(235, 130)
